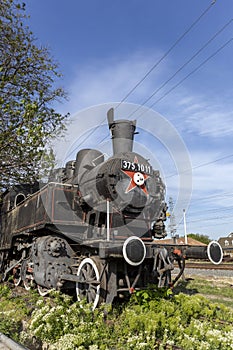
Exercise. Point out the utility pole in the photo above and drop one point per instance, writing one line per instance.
(185, 230)
(172, 225)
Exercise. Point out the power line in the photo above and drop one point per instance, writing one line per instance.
(209, 218)
(167, 53)
(191, 213)
(220, 195)
(213, 161)
(183, 66)
(187, 76)
(203, 227)
(214, 224)
(212, 198)
(200, 165)
(193, 71)
(206, 219)
(205, 61)
(87, 137)
(193, 221)
(152, 68)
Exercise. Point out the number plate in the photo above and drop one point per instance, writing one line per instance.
(137, 167)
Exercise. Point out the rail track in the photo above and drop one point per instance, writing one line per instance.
(208, 266)
(204, 269)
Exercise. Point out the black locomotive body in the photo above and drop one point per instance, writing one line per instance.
(92, 226)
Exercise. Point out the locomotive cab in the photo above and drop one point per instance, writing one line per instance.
(16, 195)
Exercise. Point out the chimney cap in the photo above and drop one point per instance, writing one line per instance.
(111, 121)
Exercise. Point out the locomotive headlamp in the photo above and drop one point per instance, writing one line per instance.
(134, 251)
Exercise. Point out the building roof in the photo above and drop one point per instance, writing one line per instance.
(180, 240)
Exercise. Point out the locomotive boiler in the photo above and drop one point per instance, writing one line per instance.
(92, 227)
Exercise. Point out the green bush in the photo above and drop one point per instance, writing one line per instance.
(14, 310)
(189, 322)
(152, 319)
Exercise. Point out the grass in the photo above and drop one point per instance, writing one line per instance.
(215, 290)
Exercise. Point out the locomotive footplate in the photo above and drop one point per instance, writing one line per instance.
(114, 249)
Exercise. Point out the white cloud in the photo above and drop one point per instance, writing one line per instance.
(210, 122)
(212, 179)
(206, 116)
(111, 79)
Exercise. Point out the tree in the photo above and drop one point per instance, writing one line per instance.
(199, 237)
(27, 94)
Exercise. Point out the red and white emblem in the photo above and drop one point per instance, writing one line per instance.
(137, 179)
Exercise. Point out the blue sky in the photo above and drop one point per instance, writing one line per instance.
(106, 47)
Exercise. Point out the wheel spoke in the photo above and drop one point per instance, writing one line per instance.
(43, 290)
(92, 286)
(84, 273)
(88, 269)
(89, 272)
(92, 295)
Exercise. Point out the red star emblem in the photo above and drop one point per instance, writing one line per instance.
(136, 179)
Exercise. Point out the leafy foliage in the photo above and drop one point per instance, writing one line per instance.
(199, 237)
(189, 322)
(143, 297)
(177, 322)
(27, 94)
(14, 310)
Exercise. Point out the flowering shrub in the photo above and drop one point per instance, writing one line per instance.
(148, 321)
(11, 314)
(188, 322)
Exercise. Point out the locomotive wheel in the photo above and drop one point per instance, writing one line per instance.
(27, 275)
(92, 288)
(1, 266)
(17, 275)
(43, 290)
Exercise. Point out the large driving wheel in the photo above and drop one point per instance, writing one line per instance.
(92, 285)
(1, 265)
(43, 290)
(17, 275)
(27, 274)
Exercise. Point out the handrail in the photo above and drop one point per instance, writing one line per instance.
(11, 344)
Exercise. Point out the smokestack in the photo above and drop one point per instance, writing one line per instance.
(123, 132)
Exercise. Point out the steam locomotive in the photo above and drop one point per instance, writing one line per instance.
(93, 226)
